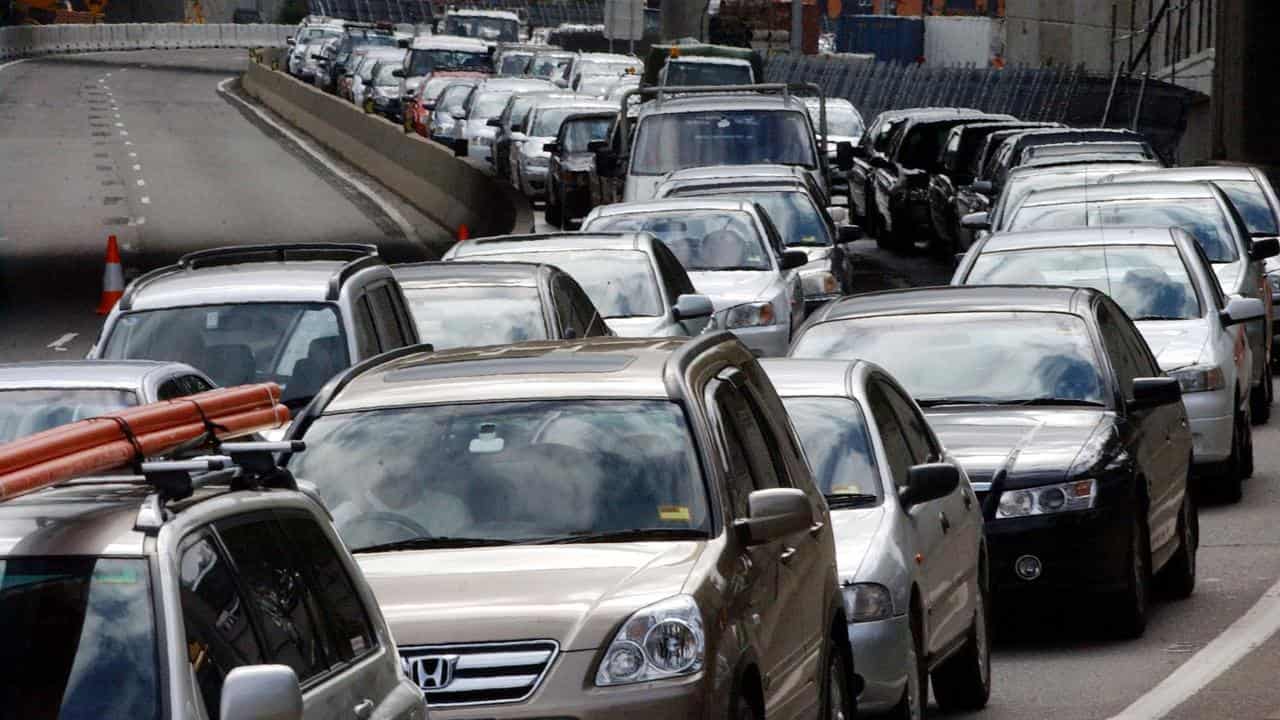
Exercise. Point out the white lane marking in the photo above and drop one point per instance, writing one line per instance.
(135, 221)
(363, 189)
(124, 133)
(60, 343)
(128, 142)
(1236, 642)
(137, 168)
(145, 200)
(120, 124)
(141, 182)
(133, 154)
(11, 63)
(117, 116)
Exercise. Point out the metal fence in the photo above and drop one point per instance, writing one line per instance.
(538, 13)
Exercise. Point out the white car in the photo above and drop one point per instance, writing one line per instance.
(1164, 281)
(309, 33)
(439, 53)
(473, 134)
(531, 160)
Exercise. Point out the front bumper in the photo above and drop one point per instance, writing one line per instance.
(533, 181)
(880, 659)
(569, 693)
(1212, 420)
(1086, 550)
(766, 340)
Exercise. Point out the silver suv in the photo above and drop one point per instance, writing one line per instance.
(290, 314)
(194, 595)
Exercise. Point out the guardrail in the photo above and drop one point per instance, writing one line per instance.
(38, 40)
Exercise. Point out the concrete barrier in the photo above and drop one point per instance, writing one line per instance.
(444, 188)
(37, 40)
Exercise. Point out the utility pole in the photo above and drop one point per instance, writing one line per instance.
(797, 27)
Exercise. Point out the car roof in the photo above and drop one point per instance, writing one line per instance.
(670, 104)
(106, 374)
(962, 298)
(609, 57)
(553, 242)
(710, 60)
(736, 172)
(501, 14)
(817, 102)
(1122, 191)
(291, 281)
(1080, 237)
(686, 204)
(1077, 165)
(1203, 173)
(448, 42)
(796, 377)
(588, 368)
(429, 274)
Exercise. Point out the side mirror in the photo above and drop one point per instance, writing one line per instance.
(1155, 392)
(494, 122)
(1264, 247)
(517, 129)
(976, 221)
(929, 482)
(317, 57)
(983, 187)
(857, 152)
(849, 233)
(262, 692)
(692, 307)
(792, 259)
(290, 42)
(403, 43)
(551, 147)
(839, 214)
(844, 155)
(772, 515)
(458, 114)
(397, 73)
(1241, 310)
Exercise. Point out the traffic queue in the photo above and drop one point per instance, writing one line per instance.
(661, 461)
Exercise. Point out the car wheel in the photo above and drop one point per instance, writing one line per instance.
(553, 210)
(839, 701)
(1130, 614)
(963, 682)
(1261, 398)
(915, 696)
(744, 708)
(1180, 574)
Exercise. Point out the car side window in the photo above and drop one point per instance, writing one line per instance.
(170, 389)
(1124, 361)
(915, 429)
(1144, 362)
(762, 453)
(366, 338)
(563, 299)
(674, 279)
(196, 384)
(745, 467)
(386, 323)
(280, 599)
(220, 635)
(896, 450)
(584, 311)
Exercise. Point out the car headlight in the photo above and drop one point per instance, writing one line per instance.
(663, 640)
(1199, 378)
(820, 283)
(1048, 499)
(750, 315)
(537, 161)
(864, 602)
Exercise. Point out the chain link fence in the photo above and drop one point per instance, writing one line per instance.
(538, 13)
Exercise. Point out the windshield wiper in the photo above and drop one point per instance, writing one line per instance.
(430, 543)
(935, 402)
(1051, 401)
(1156, 317)
(850, 500)
(589, 536)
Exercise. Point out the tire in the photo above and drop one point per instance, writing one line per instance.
(744, 708)
(1131, 604)
(1179, 576)
(1261, 398)
(553, 213)
(1230, 481)
(837, 700)
(963, 682)
(915, 696)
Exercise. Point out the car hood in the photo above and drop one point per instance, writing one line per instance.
(576, 595)
(640, 326)
(728, 288)
(1175, 343)
(1229, 276)
(855, 530)
(1027, 446)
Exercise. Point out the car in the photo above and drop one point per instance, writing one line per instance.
(980, 192)
(509, 132)
(632, 278)
(381, 95)
(604, 528)
(1162, 280)
(513, 59)
(734, 255)
(792, 207)
(339, 58)
(1010, 153)
(230, 597)
(909, 540)
(548, 63)
(570, 175)
(362, 83)
(291, 314)
(1077, 446)
(421, 102)
(1119, 150)
(590, 64)
(319, 56)
(490, 26)
(442, 56)
(600, 86)
(299, 62)
(531, 160)
(900, 216)
(36, 396)
(472, 132)
(480, 303)
(442, 121)
(1204, 211)
(1079, 171)
(844, 124)
(688, 70)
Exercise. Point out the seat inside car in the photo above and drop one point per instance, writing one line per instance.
(313, 371)
(233, 364)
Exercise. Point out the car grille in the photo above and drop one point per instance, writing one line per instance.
(478, 673)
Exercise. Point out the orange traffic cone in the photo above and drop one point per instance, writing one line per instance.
(112, 278)
(464, 232)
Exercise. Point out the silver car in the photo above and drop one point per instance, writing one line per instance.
(1161, 278)
(635, 282)
(733, 254)
(910, 545)
(530, 158)
(473, 133)
(444, 121)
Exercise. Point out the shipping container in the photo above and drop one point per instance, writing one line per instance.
(889, 38)
(956, 40)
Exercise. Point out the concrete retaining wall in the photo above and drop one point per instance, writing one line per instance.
(37, 40)
(427, 175)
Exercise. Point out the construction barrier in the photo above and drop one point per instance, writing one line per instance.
(37, 40)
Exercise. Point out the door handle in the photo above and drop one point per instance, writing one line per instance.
(788, 554)
(816, 529)
(363, 709)
(946, 523)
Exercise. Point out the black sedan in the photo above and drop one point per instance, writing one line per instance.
(1077, 444)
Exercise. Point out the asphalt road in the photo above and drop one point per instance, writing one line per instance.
(213, 173)
(143, 145)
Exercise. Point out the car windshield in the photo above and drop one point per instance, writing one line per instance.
(298, 345)
(676, 141)
(1019, 186)
(460, 316)
(580, 133)
(842, 121)
(1149, 283)
(923, 145)
(546, 121)
(320, 34)
(79, 638)
(793, 211)
(1251, 202)
(514, 63)
(489, 105)
(612, 68)
(374, 41)
(422, 62)
(507, 471)
(483, 27)
(26, 412)
(687, 74)
(620, 283)
(1203, 218)
(596, 85)
(384, 75)
(701, 240)
(1040, 355)
(833, 432)
(452, 98)
(548, 66)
